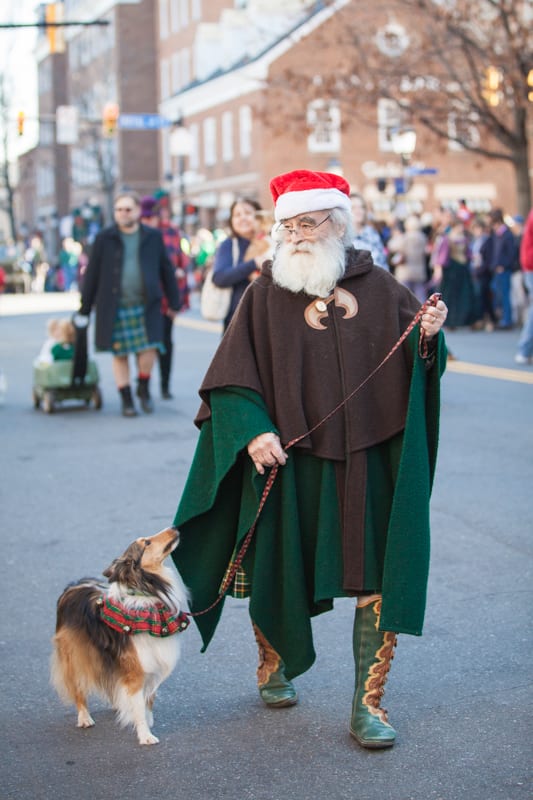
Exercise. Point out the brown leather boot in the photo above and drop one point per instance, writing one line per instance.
(275, 690)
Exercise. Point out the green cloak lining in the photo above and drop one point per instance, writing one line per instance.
(295, 559)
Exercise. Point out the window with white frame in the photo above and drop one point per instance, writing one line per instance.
(164, 73)
(227, 136)
(196, 10)
(245, 131)
(175, 72)
(464, 128)
(389, 120)
(184, 13)
(185, 66)
(163, 19)
(324, 122)
(194, 155)
(210, 141)
(174, 16)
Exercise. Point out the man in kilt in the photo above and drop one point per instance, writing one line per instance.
(127, 276)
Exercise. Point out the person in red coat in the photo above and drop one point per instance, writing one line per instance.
(525, 342)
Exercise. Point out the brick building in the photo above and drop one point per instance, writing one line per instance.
(208, 64)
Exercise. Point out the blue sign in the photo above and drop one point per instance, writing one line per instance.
(422, 171)
(142, 122)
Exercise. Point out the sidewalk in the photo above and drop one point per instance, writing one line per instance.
(56, 302)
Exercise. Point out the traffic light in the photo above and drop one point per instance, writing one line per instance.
(55, 33)
(110, 119)
(492, 86)
(21, 118)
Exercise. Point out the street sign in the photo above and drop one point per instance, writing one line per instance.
(67, 125)
(422, 171)
(142, 122)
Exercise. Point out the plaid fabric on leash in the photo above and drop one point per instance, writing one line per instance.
(129, 332)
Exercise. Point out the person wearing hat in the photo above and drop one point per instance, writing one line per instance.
(156, 213)
(348, 513)
(126, 277)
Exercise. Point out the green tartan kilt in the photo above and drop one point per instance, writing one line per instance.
(129, 332)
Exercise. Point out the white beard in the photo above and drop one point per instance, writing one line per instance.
(310, 267)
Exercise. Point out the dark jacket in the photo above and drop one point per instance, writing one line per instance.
(231, 270)
(102, 282)
(500, 250)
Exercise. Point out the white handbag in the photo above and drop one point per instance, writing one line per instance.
(215, 301)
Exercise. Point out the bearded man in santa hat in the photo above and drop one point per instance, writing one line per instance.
(348, 513)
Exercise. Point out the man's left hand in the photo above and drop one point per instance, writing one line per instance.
(434, 318)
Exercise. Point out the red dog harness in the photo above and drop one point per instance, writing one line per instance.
(157, 620)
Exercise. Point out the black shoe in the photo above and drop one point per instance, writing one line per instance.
(143, 394)
(128, 409)
(166, 395)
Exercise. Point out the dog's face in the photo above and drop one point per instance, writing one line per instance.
(146, 554)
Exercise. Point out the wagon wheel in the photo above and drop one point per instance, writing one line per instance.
(36, 399)
(97, 398)
(48, 402)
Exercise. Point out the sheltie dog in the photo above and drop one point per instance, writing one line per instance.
(121, 639)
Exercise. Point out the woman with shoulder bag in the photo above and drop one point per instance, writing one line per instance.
(233, 268)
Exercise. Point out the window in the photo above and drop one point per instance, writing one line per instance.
(196, 10)
(227, 136)
(389, 119)
(184, 13)
(185, 67)
(324, 121)
(194, 155)
(163, 19)
(174, 16)
(462, 128)
(210, 142)
(175, 72)
(164, 78)
(245, 131)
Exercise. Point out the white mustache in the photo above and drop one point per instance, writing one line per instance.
(302, 247)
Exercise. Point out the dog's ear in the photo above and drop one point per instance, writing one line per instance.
(121, 567)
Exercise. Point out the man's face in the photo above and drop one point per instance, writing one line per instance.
(310, 256)
(305, 228)
(127, 213)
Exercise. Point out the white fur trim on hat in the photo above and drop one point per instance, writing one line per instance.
(291, 204)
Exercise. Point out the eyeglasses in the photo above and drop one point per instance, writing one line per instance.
(125, 210)
(304, 228)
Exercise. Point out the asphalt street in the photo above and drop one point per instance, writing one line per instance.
(79, 484)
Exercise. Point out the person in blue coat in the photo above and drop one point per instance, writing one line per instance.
(234, 268)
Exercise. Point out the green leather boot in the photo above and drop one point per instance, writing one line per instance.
(373, 652)
(275, 690)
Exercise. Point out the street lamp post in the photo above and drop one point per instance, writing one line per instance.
(180, 145)
(403, 144)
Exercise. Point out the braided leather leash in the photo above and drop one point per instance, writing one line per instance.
(236, 564)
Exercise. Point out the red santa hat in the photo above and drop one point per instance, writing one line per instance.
(302, 190)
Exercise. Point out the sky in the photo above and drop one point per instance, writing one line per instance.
(17, 63)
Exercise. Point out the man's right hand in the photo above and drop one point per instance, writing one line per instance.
(265, 451)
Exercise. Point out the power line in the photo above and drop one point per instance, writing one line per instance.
(53, 24)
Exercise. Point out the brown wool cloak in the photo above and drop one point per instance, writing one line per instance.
(303, 373)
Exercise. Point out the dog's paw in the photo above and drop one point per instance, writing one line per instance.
(84, 719)
(148, 738)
